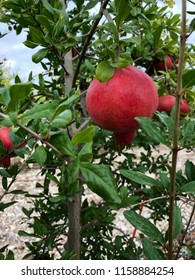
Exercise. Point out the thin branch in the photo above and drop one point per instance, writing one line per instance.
(35, 135)
(88, 39)
(185, 232)
(191, 2)
(175, 147)
(148, 201)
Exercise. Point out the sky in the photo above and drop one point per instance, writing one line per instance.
(19, 57)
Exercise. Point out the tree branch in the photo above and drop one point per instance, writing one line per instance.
(175, 147)
(88, 39)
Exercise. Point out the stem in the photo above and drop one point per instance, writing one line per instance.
(175, 147)
(185, 232)
(74, 232)
(36, 136)
(88, 39)
(74, 207)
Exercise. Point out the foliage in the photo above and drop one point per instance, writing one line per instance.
(70, 151)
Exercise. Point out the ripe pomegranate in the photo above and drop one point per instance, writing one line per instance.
(5, 137)
(8, 145)
(113, 105)
(159, 65)
(166, 102)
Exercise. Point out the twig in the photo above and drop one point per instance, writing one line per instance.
(175, 147)
(185, 232)
(35, 135)
(191, 2)
(148, 201)
(88, 39)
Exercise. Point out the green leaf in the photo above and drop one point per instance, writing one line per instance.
(62, 142)
(62, 120)
(150, 250)
(90, 5)
(86, 153)
(122, 11)
(38, 56)
(190, 170)
(18, 92)
(120, 63)
(24, 233)
(64, 105)
(104, 72)
(177, 225)
(79, 4)
(157, 35)
(140, 178)
(151, 129)
(111, 27)
(48, 7)
(73, 175)
(30, 44)
(4, 173)
(40, 155)
(188, 133)
(192, 25)
(10, 255)
(4, 96)
(84, 136)
(45, 22)
(144, 225)
(41, 110)
(36, 36)
(188, 188)
(101, 181)
(6, 205)
(39, 227)
(4, 183)
(188, 78)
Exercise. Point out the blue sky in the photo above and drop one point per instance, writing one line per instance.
(19, 57)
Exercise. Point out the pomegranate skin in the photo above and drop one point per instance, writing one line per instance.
(123, 138)
(5, 138)
(113, 105)
(167, 63)
(166, 102)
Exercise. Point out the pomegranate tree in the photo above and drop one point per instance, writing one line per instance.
(113, 105)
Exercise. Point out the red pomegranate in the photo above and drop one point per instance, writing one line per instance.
(159, 65)
(166, 102)
(113, 105)
(5, 138)
(8, 145)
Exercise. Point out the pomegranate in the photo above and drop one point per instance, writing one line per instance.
(8, 145)
(159, 65)
(166, 102)
(113, 105)
(5, 138)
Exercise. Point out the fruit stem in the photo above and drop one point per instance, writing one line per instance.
(175, 147)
